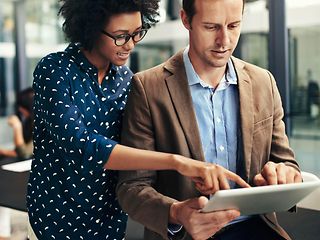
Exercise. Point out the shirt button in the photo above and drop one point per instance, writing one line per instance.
(221, 148)
(219, 120)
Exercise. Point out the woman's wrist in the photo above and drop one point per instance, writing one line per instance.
(177, 162)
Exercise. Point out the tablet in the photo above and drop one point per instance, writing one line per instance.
(262, 199)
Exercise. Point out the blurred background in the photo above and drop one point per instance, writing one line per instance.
(280, 35)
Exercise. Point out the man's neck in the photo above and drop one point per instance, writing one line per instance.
(211, 75)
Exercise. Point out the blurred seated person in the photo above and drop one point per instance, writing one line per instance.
(22, 125)
(313, 94)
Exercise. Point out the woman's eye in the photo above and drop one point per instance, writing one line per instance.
(121, 36)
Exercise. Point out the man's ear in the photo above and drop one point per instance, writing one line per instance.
(185, 20)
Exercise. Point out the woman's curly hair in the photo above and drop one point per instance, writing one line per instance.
(84, 19)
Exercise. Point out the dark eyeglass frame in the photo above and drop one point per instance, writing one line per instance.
(126, 36)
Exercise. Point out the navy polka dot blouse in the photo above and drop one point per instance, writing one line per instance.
(77, 124)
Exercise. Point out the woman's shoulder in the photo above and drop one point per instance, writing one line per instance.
(56, 58)
(61, 61)
(124, 71)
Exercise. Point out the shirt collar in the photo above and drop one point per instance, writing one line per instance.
(193, 78)
(79, 58)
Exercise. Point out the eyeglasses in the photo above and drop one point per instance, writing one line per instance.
(122, 39)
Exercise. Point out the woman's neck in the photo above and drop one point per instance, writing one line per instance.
(99, 62)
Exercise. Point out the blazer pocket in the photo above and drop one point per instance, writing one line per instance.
(261, 143)
(258, 126)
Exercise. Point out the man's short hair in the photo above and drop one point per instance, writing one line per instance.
(189, 8)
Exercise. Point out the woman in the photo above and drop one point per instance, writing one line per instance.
(80, 95)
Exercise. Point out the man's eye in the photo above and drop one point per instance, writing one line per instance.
(234, 25)
(211, 28)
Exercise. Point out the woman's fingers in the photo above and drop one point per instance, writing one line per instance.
(237, 179)
(217, 178)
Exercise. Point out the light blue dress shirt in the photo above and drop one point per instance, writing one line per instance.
(217, 113)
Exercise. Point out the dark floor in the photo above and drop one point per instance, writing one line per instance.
(302, 225)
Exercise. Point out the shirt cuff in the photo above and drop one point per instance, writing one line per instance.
(173, 229)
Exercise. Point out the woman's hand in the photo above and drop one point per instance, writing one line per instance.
(208, 177)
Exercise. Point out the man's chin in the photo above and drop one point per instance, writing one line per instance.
(218, 63)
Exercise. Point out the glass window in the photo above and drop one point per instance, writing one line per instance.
(43, 31)
(6, 21)
(43, 35)
(254, 48)
(43, 24)
(305, 96)
(149, 55)
(7, 54)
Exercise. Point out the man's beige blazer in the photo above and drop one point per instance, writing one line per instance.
(160, 116)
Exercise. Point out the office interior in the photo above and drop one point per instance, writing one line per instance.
(280, 35)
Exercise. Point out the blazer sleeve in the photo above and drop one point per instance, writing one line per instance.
(135, 190)
(280, 148)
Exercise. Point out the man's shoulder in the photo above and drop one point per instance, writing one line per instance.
(163, 70)
(251, 72)
(246, 66)
(158, 69)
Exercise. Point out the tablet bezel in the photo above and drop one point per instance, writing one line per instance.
(262, 199)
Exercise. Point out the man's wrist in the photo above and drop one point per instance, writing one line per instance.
(173, 219)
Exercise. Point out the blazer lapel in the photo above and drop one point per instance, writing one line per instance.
(246, 112)
(181, 98)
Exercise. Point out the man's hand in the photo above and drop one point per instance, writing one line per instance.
(208, 177)
(277, 173)
(200, 225)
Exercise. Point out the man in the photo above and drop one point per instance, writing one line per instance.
(206, 104)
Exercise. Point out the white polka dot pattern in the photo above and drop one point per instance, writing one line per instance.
(77, 124)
